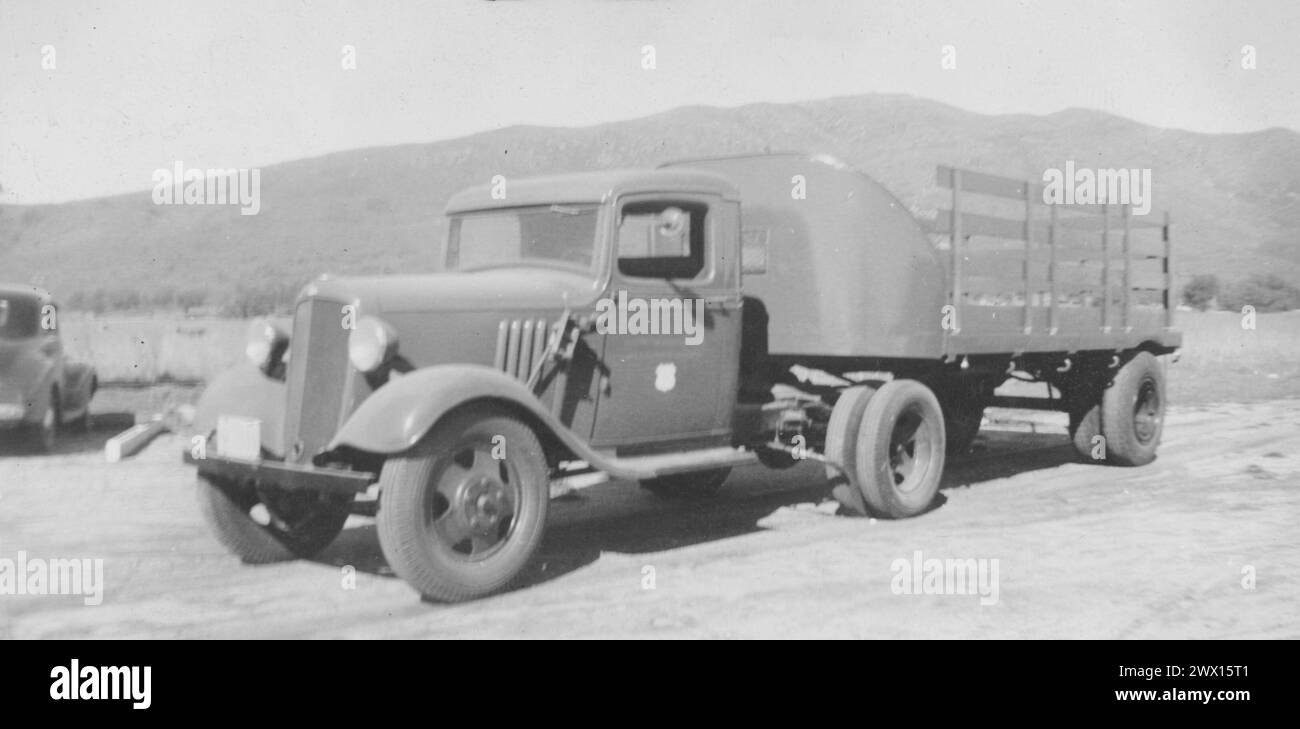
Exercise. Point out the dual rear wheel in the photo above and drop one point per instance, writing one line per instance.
(1122, 424)
(891, 444)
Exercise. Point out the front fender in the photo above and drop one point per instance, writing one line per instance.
(398, 415)
(244, 391)
(42, 378)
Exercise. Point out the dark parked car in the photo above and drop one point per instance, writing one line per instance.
(40, 391)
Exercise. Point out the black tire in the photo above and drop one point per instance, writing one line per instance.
(298, 524)
(455, 522)
(701, 484)
(900, 450)
(1133, 411)
(841, 446)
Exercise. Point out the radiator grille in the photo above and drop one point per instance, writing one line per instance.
(317, 377)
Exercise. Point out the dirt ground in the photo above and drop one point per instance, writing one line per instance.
(1084, 551)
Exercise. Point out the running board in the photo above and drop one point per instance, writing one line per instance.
(640, 468)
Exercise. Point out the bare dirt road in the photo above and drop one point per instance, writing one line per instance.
(1171, 550)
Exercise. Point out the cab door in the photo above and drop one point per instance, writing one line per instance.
(670, 324)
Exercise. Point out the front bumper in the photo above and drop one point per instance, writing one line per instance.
(288, 476)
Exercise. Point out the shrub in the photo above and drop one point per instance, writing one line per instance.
(1265, 292)
(1201, 291)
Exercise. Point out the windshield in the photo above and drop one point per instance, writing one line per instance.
(554, 234)
(18, 318)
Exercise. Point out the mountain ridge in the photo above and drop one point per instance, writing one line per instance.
(1235, 198)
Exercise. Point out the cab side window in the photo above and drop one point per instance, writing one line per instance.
(662, 240)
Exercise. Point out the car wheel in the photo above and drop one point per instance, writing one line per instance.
(261, 526)
(462, 513)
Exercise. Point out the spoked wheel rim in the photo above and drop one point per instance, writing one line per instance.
(472, 505)
(911, 451)
(1147, 411)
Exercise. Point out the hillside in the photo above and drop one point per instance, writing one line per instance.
(1235, 198)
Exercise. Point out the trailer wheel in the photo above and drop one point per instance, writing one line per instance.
(841, 447)
(459, 518)
(900, 450)
(687, 485)
(261, 526)
(1133, 411)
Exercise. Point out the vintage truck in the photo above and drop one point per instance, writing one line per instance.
(667, 326)
(41, 391)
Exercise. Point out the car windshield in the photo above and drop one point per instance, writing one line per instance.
(19, 317)
(553, 234)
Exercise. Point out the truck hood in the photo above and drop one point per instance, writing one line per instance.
(514, 288)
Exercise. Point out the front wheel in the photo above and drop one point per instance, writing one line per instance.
(461, 515)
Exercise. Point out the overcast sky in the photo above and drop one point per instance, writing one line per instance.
(137, 86)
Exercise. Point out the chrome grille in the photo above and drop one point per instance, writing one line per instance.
(520, 345)
(317, 377)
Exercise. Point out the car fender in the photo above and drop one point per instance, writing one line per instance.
(399, 414)
(38, 389)
(244, 391)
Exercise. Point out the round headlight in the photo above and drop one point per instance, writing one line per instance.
(371, 344)
(265, 344)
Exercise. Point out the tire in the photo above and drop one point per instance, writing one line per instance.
(900, 450)
(701, 484)
(298, 524)
(1133, 411)
(841, 446)
(1085, 424)
(455, 522)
